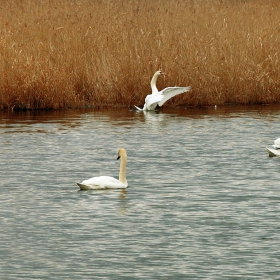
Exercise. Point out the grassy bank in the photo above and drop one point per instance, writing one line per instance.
(96, 53)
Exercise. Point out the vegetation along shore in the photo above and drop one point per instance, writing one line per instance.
(96, 53)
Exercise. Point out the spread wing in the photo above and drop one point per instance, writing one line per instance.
(170, 92)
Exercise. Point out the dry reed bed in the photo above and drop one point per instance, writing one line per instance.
(62, 54)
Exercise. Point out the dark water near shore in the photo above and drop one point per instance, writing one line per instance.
(203, 200)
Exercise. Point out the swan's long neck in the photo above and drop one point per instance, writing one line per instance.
(122, 174)
(153, 83)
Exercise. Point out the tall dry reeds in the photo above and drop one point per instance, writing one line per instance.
(61, 54)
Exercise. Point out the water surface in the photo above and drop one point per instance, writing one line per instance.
(203, 200)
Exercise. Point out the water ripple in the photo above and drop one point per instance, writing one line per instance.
(202, 203)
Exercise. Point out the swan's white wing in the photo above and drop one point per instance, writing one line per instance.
(102, 182)
(169, 92)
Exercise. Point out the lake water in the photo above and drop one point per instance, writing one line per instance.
(203, 200)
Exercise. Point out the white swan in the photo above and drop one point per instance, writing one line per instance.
(275, 152)
(160, 97)
(107, 182)
(276, 144)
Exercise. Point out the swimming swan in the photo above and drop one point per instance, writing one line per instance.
(275, 152)
(107, 182)
(160, 97)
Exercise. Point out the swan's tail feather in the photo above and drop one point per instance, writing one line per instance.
(138, 108)
(83, 187)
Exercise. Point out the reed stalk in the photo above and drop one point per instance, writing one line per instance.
(96, 53)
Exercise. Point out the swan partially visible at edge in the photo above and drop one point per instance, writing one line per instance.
(276, 144)
(107, 182)
(160, 97)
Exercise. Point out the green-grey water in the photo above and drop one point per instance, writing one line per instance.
(203, 200)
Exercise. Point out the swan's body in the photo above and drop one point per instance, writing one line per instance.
(107, 182)
(276, 144)
(160, 97)
(275, 152)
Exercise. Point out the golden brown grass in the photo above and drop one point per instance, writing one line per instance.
(93, 53)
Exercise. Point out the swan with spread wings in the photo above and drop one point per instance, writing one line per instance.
(160, 97)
